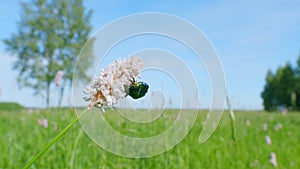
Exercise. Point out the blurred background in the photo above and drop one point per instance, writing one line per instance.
(251, 38)
(257, 42)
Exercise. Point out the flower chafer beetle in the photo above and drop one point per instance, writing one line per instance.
(137, 89)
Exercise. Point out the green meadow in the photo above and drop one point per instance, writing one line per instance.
(23, 134)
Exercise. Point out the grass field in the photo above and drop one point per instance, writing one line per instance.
(21, 137)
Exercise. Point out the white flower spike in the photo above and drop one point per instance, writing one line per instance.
(111, 83)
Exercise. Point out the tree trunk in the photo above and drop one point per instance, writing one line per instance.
(48, 55)
(294, 100)
(48, 95)
(61, 94)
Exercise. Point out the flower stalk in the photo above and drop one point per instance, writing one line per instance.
(105, 90)
(231, 113)
(64, 131)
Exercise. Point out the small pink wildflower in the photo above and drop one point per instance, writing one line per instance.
(278, 126)
(268, 140)
(58, 77)
(43, 122)
(265, 126)
(273, 159)
(248, 122)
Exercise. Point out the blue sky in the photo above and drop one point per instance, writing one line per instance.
(250, 37)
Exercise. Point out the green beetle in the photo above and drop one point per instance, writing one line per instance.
(137, 89)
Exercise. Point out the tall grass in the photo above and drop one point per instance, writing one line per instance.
(21, 137)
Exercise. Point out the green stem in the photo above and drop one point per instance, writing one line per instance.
(74, 149)
(233, 130)
(55, 139)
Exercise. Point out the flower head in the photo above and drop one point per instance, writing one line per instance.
(273, 159)
(248, 122)
(268, 140)
(58, 77)
(43, 122)
(265, 126)
(109, 85)
(278, 126)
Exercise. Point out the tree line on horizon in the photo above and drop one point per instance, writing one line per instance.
(282, 88)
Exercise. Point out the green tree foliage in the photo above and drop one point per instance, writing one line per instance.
(50, 36)
(298, 84)
(281, 89)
